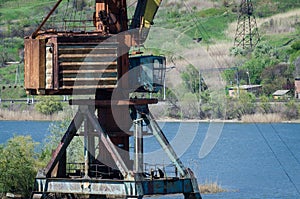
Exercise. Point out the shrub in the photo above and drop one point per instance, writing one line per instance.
(17, 166)
(291, 110)
(48, 106)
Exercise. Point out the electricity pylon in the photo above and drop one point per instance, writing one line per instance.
(246, 35)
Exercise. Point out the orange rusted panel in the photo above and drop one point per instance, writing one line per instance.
(34, 64)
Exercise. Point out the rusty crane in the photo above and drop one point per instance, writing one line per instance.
(97, 62)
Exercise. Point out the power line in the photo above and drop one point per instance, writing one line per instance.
(276, 157)
(285, 144)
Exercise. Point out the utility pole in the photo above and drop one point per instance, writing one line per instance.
(246, 35)
(164, 86)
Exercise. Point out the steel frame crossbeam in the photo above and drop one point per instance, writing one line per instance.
(134, 185)
(84, 111)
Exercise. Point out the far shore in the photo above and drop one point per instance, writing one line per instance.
(220, 121)
(6, 115)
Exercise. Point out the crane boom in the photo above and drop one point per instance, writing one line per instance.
(144, 13)
(143, 17)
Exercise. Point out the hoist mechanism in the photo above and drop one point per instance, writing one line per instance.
(94, 60)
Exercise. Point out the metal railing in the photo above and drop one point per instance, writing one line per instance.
(95, 170)
(160, 170)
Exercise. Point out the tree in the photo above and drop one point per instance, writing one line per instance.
(192, 79)
(17, 165)
(265, 106)
(276, 77)
(189, 106)
(57, 130)
(48, 106)
(244, 105)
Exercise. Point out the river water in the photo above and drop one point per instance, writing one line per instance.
(248, 160)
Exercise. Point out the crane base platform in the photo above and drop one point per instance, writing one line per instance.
(115, 188)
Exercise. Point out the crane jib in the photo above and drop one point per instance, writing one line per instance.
(144, 13)
(150, 11)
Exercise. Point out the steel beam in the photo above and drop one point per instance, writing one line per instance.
(138, 146)
(64, 143)
(34, 34)
(86, 152)
(164, 143)
(108, 143)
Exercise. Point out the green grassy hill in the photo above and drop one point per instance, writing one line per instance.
(212, 20)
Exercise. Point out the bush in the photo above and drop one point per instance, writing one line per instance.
(291, 110)
(244, 105)
(48, 106)
(17, 166)
(296, 45)
(265, 105)
(189, 106)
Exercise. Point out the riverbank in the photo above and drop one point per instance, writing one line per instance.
(254, 118)
(29, 115)
(32, 115)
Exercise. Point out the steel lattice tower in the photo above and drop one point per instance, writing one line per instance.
(246, 35)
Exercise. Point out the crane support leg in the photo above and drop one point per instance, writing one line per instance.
(161, 138)
(134, 183)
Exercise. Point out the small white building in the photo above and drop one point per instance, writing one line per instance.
(234, 91)
(281, 94)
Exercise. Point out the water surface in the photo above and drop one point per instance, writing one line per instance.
(249, 160)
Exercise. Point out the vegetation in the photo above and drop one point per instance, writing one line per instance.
(18, 165)
(48, 106)
(210, 187)
(57, 130)
(272, 63)
(185, 102)
(20, 162)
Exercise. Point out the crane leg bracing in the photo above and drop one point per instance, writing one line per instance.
(62, 62)
(126, 180)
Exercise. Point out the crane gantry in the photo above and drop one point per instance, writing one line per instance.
(97, 62)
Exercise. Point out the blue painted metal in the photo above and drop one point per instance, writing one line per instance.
(115, 188)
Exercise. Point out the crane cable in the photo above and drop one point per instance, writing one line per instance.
(75, 10)
(66, 10)
(197, 24)
(277, 158)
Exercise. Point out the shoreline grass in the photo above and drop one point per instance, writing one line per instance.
(262, 118)
(210, 187)
(29, 115)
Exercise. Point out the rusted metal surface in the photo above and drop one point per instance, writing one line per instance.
(117, 188)
(113, 102)
(109, 145)
(62, 63)
(95, 62)
(35, 63)
(134, 185)
(78, 63)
